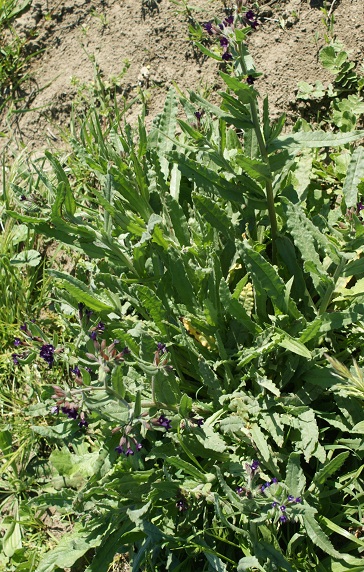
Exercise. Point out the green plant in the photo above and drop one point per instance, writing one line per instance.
(199, 426)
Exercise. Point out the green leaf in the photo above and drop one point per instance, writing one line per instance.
(208, 53)
(313, 139)
(67, 195)
(27, 258)
(249, 562)
(70, 548)
(187, 468)
(260, 441)
(294, 346)
(295, 477)
(330, 467)
(80, 291)
(265, 277)
(317, 535)
(185, 406)
(214, 214)
(244, 91)
(353, 177)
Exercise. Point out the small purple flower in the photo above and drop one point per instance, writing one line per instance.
(199, 422)
(290, 498)
(100, 326)
(182, 505)
(76, 370)
(208, 27)
(83, 423)
(126, 351)
(227, 57)
(24, 328)
(224, 42)
(119, 449)
(283, 518)
(250, 80)
(17, 342)
(239, 490)
(267, 485)
(198, 115)
(282, 508)
(274, 504)
(71, 412)
(55, 410)
(229, 21)
(250, 15)
(139, 446)
(298, 500)
(274, 481)
(129, 451)
(47, 353)
(164, 422)
(23, 198)
(161, 348)
(254, 466)
(93, 335)
(15, 359)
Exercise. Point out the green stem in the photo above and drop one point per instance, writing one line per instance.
(264, 154)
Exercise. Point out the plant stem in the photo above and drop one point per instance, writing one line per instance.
(264, 154)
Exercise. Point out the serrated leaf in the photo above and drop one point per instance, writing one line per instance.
(317, 535)
(353, 177)
(214, 214)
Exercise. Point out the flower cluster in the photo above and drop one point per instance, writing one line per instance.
(70, 409)
(128, 446)
(282, 507)
(274, 481)
(107, 354)
(47, 353)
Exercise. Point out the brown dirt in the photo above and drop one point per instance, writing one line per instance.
(143, 44)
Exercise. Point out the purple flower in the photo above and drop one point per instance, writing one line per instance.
(274, 481)
(15, 358)
(126, 351)
(290, 498)
(199, 422)
(47, 353)
(83, 423)
(161, 348)
(283, 518)
(55, 410)
(100, 326)
(298, 500)
(224, 42)
(71, 412)
(274, 504)
(164, 422)
(182, 505)
(119, 449)
(139, 446)
(198, 115)
(24, 328)
(254, 466)
(250, 15)
(129, 451)
(76, 370)
(208, 27)
(93, 335)
(227, 56)
(239, 490)
(17, 342)
(229, 21)
(250, 80)
(282, 508)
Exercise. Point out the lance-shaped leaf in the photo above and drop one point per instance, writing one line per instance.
(265, 277)
(313, 139)
(354, 175)
(80, 291)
